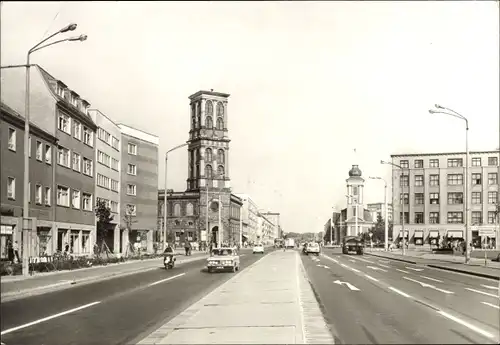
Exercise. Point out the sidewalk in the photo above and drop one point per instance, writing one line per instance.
(446, 262)
(45, 282)
(270, 302)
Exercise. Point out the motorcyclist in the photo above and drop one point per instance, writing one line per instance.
(169, 252)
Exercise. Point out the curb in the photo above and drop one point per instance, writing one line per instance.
(477, 274)
(20, 294)
(391, 258)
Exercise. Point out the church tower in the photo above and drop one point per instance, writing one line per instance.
(355, 202)
(208, 162)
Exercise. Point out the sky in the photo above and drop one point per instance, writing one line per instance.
(310, 83)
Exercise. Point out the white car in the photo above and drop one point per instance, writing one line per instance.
(223, 259)
(258, 249)
(313, 248)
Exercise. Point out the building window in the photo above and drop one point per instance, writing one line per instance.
(132, 149)
(492, 217)
(419, 163)
(131, 189)
(131, 169)
(220, 156)
(455, 162)
(219, 124)
(77, 130)
(476, 161)
(476, 179)
(404, 196)
(47, 196)
(407, 217)
(477, 218)
(208, 155)
(434, 217)
(87, 202)
(419, 198)
(220, 109)
(131, 210)
(492, 178)
(434, 198)
(455, 198)
(12, 139)
(115, 143)
(77, 162)
(492, 197)
(103, 158)
(189, 209)
(419, 218)
(220, 171)
(87, 166)
(434, 180)
(209, 108)
(177, 210)
(11, 188)
(87, 136)
(455, 179)
(114, 185)
(419, 180)
(113, 206)
(434, 163)
(63, 156)
(39, 150)
(75, 198)
(48, 154)
(208, 171)
(103, 181)
(63, 196)
(493, 161)
(455, 217)
(38, 194)
(404, 181)
(404, 164)
(476, 198)
(209, 122)
(115, 164)
(64, 123)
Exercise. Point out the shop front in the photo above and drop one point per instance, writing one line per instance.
(434, 237)
(418, 237)
(455, 235)
(6, 237)
(406, 236)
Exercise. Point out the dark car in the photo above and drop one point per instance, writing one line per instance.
(353, 244)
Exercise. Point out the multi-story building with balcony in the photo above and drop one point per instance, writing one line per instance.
(139, 186)
(62, 113)
(41, 186)
(429, 189)
(107, 179)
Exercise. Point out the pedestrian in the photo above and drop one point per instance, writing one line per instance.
(186, 247)
(10, 251)
(16, 251)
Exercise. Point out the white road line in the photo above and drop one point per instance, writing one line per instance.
(433, 279)
(490, 287)
(355, 270)
(384, 266)
(166, 279)
(466, 324)
(414, 269)
(371, 262)
(428, 285)
(399, 292)
(376, 268)
(351, 260)
(491, 305)
(329, 258)
(370, 277)
(344, 265)
(482, 292)
(397, 269)
(49, 318)
(384, 261)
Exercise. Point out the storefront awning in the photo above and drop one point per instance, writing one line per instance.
(6, 229)
(407, 233)
(433, 233)
(455, 234)
(418, 234)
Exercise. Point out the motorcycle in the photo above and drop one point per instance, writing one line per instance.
(169, 262)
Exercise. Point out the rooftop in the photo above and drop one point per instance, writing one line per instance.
(441, 154)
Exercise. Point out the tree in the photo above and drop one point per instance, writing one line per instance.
(104, 219)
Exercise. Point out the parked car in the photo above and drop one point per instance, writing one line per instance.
(223, 259)
(258, 249)
(353, 244)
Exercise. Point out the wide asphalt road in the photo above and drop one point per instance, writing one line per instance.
(371, 300)
(122, 310)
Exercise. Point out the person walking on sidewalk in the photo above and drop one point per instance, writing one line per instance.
(187, 248)
(10, 252)
(16, 251)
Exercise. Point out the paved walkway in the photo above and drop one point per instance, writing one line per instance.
(270, 302)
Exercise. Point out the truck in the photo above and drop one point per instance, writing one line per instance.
(290, 243)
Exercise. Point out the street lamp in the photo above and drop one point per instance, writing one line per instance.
(450, 112)
(35, 48)
(386, 225)
(331, 226)
(165, 195)
(403, 206)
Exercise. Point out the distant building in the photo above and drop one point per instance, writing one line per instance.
(274, 218)
(378, 209)
(250, 214)
(139, 187)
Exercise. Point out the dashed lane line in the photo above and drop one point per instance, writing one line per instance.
(400, 292)
(403, 271)
(491, 305)
(466, 324)
(371, 262)
(384, 266)
(414, 269)
(490, 287)
(371, 278)
(167, 279)
(483, 293)
(433, 279)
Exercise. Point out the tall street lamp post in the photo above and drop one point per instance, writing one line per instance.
(26, 224)
(165, 195)
(447, 111)
(403, 206)
(386, 220)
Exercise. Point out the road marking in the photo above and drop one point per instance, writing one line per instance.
(429, 286)
(397, 269)
(351, 260)
(371, 262)
(399, 292)
(370, 277)
(414, 269)
(482, 292)
(491, 305)
(49, 318)
(325, 266)
(343, 265)
(384, 261)
(490, 287)
(384, 266)
(355, 270)
(433, 279)
(166, 279)
(349, 285)
(376, 268)
(466, 324)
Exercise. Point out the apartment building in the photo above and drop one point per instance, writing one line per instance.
(107, 179)
(378, 209)
(274, 218)
(430, 189)
(139, 186)
(249, 214)
(41, 206)
(61, 112)
(265, 230)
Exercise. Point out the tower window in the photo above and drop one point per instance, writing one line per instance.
(197, 172)
(210, 122)
(209, 108)
(220, 123)
(208, 171)
(220, 156)
(220, 171)
(220, 109)
(208, 155)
